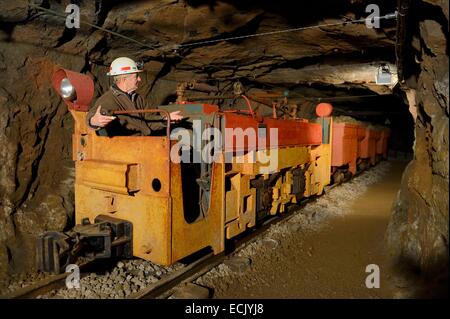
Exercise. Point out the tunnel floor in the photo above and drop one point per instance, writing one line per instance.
(327, 260)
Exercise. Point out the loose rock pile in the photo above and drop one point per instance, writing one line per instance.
(126, 278)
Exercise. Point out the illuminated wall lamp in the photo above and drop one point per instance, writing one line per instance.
(384, 76)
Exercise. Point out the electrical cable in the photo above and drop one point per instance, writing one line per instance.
(94, 26)
(177, 46)
(387, 16)
(319, 99)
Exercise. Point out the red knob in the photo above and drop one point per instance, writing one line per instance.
(324, 109)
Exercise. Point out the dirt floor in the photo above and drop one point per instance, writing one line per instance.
(323, 251)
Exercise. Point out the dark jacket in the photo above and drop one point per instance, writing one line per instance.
(131, 124)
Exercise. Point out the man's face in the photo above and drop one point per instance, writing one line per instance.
(131, 82)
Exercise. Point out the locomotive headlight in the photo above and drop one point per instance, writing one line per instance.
(67, 90)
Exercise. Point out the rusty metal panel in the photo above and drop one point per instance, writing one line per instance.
(295, 132)
(128, 177)
(345, 145)
(385, 137)
(231, 205)
(150, 152)
(290, 132)
(382, 142)
(368, 145)
(80, 136)
(207, 230)
(240, 205)
(108, 175)
(148, 215)
(361, 134)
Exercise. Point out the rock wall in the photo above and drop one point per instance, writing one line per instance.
(36, 167)
(418, 231)
(36, 172)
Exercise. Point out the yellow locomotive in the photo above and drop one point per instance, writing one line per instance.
(136, 196)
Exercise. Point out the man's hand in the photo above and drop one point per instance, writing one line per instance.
(101, 120)
(176, 116)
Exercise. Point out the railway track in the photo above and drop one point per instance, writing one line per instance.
(44, 286)
(164, 287)
(41, 287)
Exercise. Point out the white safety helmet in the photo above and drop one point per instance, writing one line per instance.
(123, 66)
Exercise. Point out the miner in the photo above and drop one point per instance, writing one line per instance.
(122, 96)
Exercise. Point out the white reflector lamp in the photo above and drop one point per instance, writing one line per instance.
(384, 76)
(67, 90)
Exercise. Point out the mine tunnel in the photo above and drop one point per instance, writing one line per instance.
(362, 228)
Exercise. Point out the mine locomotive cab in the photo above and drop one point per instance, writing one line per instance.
(131, 199)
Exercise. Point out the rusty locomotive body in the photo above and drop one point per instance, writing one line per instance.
(138, 196)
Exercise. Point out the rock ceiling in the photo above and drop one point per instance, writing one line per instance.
(167, 30)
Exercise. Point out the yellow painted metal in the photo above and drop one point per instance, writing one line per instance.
(206, 230)
(109, 176)
(127, 177)
(245, 168)
(320, 177)
(232, 197)
(241, 205)
(148, 215)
